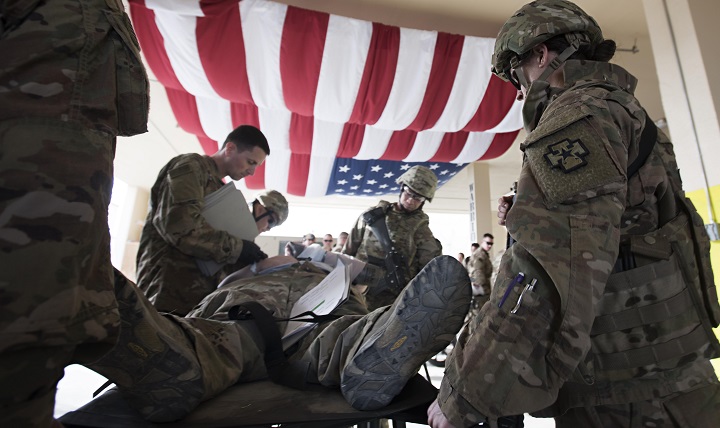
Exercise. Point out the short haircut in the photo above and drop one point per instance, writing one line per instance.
(309, 236)
(474, 245)
(247, 137)
(344, 234)
(488, 235)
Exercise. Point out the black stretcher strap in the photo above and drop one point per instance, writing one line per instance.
(281, 371)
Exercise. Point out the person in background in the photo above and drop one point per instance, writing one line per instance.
(328, 242)
(461, 258)
(308, 240)
(473, 247)
(409, 232)
(71, 81)
(480, 270)
(176, 234)
(603, 308)
(342, 239)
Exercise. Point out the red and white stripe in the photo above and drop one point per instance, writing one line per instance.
(322, 86)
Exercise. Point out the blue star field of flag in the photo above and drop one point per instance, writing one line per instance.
(354, 177)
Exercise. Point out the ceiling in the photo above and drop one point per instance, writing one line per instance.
(139, 158)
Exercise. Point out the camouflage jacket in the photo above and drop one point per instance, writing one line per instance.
(91, 72)
(411, 234)
(574, 202)
(176, 234)
(480, 269)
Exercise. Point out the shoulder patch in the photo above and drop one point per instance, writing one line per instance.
(572, 160)
(567, 155)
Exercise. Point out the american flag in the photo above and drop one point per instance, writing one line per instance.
(377, 177)
(328, 91)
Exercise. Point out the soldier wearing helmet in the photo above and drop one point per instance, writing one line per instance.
(270, 209)
(602, 310)
(408, 229)
(176, 234)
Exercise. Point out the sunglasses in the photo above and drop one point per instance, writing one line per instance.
(412, 195)
(327, 240)
(489, 243)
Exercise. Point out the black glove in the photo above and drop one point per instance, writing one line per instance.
(251, 253)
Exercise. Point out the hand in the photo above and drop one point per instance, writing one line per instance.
(504, 204)
(436, 418)
(251, 253)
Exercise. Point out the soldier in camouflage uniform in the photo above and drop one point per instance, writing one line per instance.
(611, 323)
(176, 234)
(166, 365)
(71, 80)
(480, 269)
(408, 227)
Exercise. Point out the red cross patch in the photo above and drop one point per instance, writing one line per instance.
(567, 155)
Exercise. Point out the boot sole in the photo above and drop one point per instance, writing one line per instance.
(423, 321)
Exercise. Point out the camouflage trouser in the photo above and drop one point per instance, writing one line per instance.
(699, 408)
(55, 281)
(166, 365)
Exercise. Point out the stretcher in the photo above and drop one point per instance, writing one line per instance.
(265, 404)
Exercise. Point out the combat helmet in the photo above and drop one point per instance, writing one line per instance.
(537, 22)
(421, 180)
(274, 201)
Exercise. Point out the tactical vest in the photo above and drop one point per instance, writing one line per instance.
(656, 314)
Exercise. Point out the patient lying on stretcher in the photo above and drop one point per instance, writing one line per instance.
(165, 365)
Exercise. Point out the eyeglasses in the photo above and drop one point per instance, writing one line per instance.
(412, 195)
(510, 72)
(327, 240)
(272, 219)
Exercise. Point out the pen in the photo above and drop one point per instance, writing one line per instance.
(517, 280)
(531, 287)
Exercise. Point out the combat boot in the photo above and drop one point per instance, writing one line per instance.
(153, 363)
(423, 320)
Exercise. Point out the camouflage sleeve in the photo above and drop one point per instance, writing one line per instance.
(566, 222)
(355, 238)
(427, 246)
(178, 217)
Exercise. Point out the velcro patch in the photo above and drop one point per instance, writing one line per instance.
(572, 160)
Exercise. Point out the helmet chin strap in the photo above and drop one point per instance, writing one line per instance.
(556, 62)
(539, 92)
(402, 207)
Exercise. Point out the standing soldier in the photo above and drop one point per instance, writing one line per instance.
(602, 312)
(480, 269)
(71, 81)
(176, 234)
(397, 236)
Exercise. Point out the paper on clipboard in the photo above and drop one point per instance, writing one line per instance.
(226, 209)
(321, 300)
